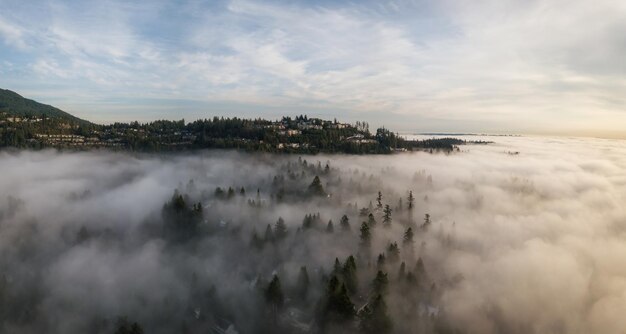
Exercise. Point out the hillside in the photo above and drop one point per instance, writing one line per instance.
(22, 126)
(16, 105)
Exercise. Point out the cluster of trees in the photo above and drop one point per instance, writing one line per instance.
(288, 252)
(217, 133)
(367, 292)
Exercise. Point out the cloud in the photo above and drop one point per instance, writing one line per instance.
(514, 65)
(527, 243)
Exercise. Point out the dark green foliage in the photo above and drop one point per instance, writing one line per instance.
(387, 216)
(380, 284)
(407, 240)
(302, 286)
(365, 235)
(256, 241)
(274, 293)
(379, 201)
(393, 252)
(269, 234)
(280, 229)
(310, 221)
(336, 306)
(364, 212)
(371, 221)
(420, 270)
(219, 193)
(349, 274)
(402, 271)
(373, 317)
(426, 223)
(124, 326)
(337, 267)
(16, 105)
(345, 223)
(316, 188)
(218, 133)
(181, 221)
(380, 263)
(330, 228)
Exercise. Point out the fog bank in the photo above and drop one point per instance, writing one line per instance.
(528, 235)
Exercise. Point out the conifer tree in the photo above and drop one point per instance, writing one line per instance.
(350, 275)
(302, 288)
(316, 187)
(366, 235)
(393, 252)
(387, 216)
(371, 221)
(380, 283)
(345, 223)
(407, 240)
(269, 234)
(280, 229)
(373, 317)
(330, 228)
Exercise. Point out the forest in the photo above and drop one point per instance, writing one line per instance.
(236, 264)
(300, 135)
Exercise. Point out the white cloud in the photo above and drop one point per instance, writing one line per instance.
(521, 65)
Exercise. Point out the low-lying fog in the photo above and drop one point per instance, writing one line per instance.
(527, 235)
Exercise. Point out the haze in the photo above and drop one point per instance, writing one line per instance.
(527, 236)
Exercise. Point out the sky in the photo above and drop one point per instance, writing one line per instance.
(494, 66)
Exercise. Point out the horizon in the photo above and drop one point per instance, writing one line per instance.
(421, 66)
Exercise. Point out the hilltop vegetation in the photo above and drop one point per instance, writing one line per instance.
(13, 104)
(28, 124)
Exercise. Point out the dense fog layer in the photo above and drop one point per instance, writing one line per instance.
(525, 235)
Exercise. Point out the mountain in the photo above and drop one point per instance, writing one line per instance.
(16, 105)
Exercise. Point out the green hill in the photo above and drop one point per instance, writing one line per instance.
(16, 105)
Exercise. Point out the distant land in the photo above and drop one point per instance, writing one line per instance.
(25, 123)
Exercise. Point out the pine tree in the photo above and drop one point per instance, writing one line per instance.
(269, 235)
(126, 327)
(380, 283)
(256, 241)
(350, 274)
(366, 235)
(336, 306)
(393, 252)
(345, 223)
(379, 201)
(371, 221)
(316, 187)
(274, 293)
(408, 237)
(426, 223)
(402, 271)
(280, 229)
(380, 263)
(302, 288)
(330, 228)
(387, 216)
(373, 317)
(337, 267)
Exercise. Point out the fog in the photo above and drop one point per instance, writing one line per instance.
(528, 235)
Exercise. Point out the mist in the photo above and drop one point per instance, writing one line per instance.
(525, 235)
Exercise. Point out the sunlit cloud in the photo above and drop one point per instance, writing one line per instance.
(442, 65)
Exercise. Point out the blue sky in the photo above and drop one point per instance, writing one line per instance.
(501, 66)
